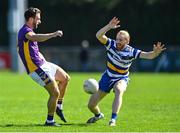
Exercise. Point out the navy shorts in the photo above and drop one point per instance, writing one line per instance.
(106, 83)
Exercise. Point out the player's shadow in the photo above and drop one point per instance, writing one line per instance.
(21, 125)
(76, 124)
(42, 125)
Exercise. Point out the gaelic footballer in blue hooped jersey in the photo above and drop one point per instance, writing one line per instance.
(119, 59)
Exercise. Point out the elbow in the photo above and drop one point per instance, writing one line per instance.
(97, 35)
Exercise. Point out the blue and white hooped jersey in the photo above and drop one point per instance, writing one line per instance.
(118, 62)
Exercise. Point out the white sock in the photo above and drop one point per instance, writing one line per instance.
(60, 106)
(113, 120)
(50, 121)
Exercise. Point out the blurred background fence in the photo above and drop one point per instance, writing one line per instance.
(147, 21)
(69, 59)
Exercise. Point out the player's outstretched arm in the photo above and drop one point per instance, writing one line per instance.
(43, 37)
(157, 49)
(113, 24)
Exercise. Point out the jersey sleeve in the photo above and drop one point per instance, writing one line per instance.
(27, 30)
(109, 43)
(136, 53)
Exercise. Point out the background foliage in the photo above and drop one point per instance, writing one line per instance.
(146, 20)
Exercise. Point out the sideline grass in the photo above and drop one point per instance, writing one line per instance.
(151, 103)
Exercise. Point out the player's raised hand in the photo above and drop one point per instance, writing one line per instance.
(158, 48)
(114, 23)
(58, 33)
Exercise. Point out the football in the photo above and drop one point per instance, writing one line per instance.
(90, 86)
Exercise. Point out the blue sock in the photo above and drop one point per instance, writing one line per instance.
(50, 117)
(114, 116)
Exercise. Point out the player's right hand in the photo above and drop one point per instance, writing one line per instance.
(58, 33)
(114, 23)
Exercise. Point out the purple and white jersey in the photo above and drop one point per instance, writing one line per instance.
(29, 51)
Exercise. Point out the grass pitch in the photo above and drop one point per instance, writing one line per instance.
(151, 103)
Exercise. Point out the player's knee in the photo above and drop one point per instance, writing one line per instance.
(120, 88)
(56, 93)
(119, 91)
(66, 79)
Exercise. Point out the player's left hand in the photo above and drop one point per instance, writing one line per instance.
(114, 23)
(158, 48)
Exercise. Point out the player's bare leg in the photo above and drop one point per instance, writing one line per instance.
(93, 106)
(119, 89)
(62, 78)
(54, 93)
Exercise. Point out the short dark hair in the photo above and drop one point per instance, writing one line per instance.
(31, 12)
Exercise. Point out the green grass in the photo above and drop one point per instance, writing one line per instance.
(151, 103)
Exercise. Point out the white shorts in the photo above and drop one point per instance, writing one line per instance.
(45, 74)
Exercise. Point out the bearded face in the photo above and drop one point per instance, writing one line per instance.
(122, 39)
(36, 20)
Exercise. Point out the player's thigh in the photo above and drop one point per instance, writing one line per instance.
(120, 86)
(96, 98)
(61, 75)
(57, 72)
